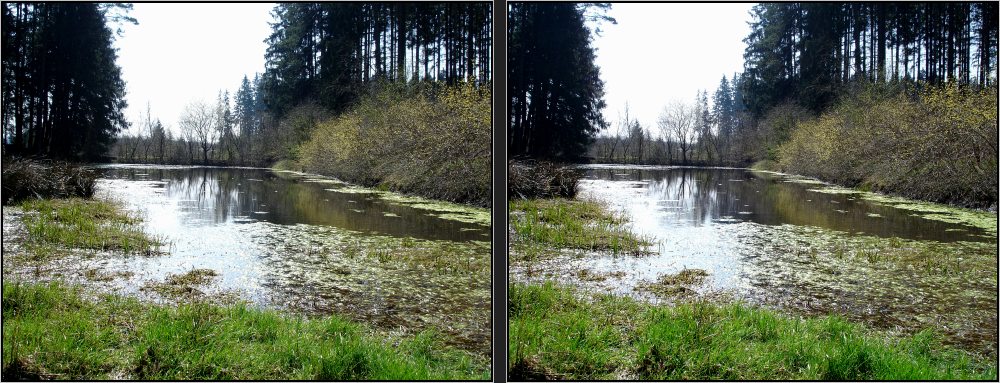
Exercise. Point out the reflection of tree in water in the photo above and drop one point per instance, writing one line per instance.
(211, 196)
(697, 196)
(694, 195)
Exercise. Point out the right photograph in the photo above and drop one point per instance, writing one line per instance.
(773, 191)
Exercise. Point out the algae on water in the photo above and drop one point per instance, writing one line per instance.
(927, 210)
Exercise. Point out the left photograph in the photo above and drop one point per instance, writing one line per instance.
(296, 191)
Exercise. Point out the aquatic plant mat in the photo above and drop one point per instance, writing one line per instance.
(436, 208)
(54, 331)
(558, 333)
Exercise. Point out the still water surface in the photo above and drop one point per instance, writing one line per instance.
(274, 238)
(777, 240)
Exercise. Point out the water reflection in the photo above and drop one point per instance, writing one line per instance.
(213, 196)
(302, 244)
(669, 198)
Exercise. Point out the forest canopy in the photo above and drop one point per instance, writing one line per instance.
(327, 52)
(63, 94)
(555, 92)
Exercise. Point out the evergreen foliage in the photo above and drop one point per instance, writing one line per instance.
(554, 88)
(327, 52)
(63, 95)
(808, 51)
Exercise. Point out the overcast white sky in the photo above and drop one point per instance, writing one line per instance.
(181, 52)
(662, 52)
(656, 53)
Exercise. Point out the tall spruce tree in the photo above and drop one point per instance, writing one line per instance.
(554, 88)
(805, 52)
(63, 93)
(328, 52)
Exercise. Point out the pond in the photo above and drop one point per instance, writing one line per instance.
(797, 245)
(310, 244)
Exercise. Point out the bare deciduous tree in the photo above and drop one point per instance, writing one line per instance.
(677, 122)
(198, 126)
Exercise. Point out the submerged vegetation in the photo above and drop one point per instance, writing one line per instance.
(182, 285)
(554, 334)
(987, 221)
(55, 331)
(679, 284)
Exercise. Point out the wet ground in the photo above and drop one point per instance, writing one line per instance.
(296, 242)
(797, 245)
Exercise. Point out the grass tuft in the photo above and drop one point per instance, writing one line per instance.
(85, 224)
(574, 224)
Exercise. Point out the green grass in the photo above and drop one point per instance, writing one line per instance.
(574, 224)
(556, 335)
(53, 331)
(85, 224)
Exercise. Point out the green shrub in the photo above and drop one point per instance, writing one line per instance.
(27, 178)
(940, 145)
(434, 143)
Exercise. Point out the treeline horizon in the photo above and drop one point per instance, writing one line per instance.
(802, 59)
(394, 96)
(321, 60)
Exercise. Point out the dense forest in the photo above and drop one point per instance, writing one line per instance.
(63, 95)
(321, 60)
(820, 81)
(555, 92)
(807, 51)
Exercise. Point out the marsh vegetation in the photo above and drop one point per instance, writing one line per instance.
(556, 334)
(734, 242)
(228, 246)
(116, 337)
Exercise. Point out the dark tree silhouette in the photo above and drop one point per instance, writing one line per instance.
(63, 95)
(807, 51)
(327, 52)
(554, 88)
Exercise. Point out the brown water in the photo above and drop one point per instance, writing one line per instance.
(777, 241)
(297, 242)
